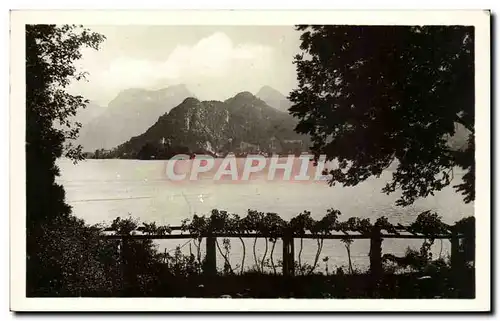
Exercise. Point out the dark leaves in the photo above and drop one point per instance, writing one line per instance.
(50, 54)
(376, 95)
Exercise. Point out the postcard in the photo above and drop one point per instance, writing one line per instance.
(250, 161)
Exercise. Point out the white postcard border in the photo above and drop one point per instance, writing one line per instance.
(478, 18)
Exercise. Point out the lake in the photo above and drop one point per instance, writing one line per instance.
(101, 190)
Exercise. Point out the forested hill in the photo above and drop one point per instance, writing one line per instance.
(243, 123)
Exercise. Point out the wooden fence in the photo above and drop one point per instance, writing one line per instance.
(376, 237)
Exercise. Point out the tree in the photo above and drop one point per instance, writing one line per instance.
(372, 96)
(50, 54)
(148, 151)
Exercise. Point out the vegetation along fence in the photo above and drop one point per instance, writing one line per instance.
(221, 224)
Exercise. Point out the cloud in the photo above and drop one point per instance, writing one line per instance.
(214, 68)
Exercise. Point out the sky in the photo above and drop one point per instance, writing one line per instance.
(214, 62)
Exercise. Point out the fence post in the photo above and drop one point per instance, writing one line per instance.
(376, 254)
(121, 244)
(210, 258)
(285, 254)
(457, 263)
(126, 271)
(288, 255)
(291, 256)
(455, 249)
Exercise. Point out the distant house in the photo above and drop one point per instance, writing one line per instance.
(165, 141)
(249, 148)
(293, 141)
(102, 153)
(292, 146)
(274, 145)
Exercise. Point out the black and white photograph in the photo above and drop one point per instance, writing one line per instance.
(203, 156)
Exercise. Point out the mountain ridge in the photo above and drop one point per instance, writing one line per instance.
(274, 98)
(129, 114)
(239, 124)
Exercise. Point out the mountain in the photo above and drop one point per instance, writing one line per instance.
(84, 115)
(274, 98)
(90, 112)
(242, 123)
(129, 114)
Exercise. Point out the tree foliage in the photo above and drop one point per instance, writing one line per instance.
(50, 55)
(371, 96)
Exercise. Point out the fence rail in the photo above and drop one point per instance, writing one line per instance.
(260, 235)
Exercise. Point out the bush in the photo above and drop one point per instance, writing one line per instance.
(73, 259)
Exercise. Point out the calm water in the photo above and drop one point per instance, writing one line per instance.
(101, 190)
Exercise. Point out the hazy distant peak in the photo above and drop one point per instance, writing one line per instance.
(268, 92)
(179, 86)
(130, 113)
(90, 111)
(141, 94)
(176, 88)
(131, 91)
(274, 98)
(139, 91)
